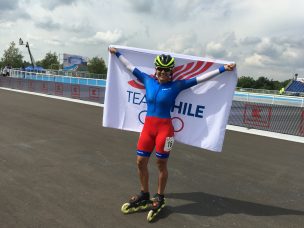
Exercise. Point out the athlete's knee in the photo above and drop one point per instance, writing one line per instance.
(162, 164)
(142, 162)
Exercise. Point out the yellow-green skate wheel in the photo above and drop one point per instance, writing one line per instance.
(125, 209)
(150, 216)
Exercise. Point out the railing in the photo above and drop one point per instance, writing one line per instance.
(57, 78)
(241, 94)
(251, 110)
(81, 74)
(269, 99)
(264, 91)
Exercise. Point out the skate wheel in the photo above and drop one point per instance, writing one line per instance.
(125, 208)
(150, 216)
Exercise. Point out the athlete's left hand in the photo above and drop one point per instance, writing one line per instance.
(112, 50)
(229, 67)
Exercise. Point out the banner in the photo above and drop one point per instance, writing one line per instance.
(200, 113)
(74, 62)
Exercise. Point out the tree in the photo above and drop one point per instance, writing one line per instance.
(245, 82)
(285, 83)
(97, 65)
(275, 85)
(12, 57)
(26, 63)
(50, 61)
(261, 83)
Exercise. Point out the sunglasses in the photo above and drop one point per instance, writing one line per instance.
(163, 69)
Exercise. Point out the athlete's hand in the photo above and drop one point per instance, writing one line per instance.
(112, 50)
(229, 67)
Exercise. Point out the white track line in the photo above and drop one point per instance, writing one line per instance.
(270, 134)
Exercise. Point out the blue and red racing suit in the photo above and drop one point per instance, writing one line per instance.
(158, 131)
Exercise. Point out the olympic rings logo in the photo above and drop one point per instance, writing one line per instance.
(141, 117)
(178, 123)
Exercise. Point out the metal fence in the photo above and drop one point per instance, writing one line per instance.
(268, 117)
(76, 91)
(265, 91)
(267, 113)
(269, 99)
(79, 74)
(56, 78)
(82, 74)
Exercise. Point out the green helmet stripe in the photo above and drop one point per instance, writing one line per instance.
(159, 62)
(171, 61)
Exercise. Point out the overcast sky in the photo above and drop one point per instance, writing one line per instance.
(264, 37)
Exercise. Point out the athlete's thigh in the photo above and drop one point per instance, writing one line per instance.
(146, 141)
(165, 139)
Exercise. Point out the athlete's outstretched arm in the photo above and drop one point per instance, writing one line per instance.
(211, 74)
(122, 59)
(205, 77)
(141, 77)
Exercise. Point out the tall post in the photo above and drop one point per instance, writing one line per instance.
(31, 56)
(29, 51)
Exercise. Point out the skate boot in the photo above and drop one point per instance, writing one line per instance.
(137, 203)
(158, 203)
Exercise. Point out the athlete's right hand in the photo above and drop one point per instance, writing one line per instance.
(112, 50)
(229, 67)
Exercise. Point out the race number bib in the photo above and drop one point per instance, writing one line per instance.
(169, 144)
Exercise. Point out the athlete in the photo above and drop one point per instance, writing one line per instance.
(158, 131)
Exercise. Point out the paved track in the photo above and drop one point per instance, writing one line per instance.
(60, 168)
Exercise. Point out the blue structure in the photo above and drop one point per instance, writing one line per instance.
(295, 86)
(34, 69)
(63, 79)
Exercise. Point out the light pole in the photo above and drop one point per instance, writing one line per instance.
(28, 48)
(296, 76)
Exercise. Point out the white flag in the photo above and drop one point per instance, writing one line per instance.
(200, 114)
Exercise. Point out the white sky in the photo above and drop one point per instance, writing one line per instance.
(264, 37)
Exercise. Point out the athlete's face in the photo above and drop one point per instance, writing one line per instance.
(163, 74)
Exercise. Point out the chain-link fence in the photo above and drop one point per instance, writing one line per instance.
(268, 117)
(265, 91)
(56, 78)
(267, 113)
(58, 73)
(76, 91)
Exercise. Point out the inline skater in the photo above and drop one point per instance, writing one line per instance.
(158, 131)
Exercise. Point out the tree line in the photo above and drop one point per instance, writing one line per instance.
(13, 57)
(261, 83)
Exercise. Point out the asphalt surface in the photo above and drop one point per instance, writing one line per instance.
(60, 168)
